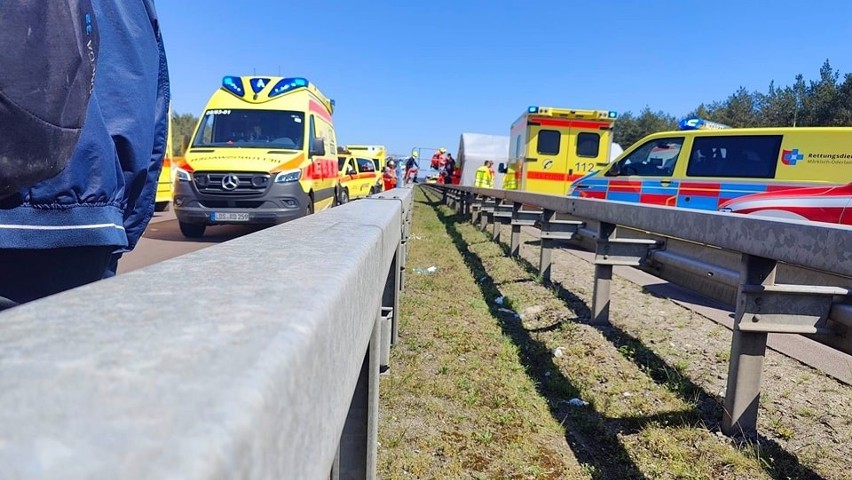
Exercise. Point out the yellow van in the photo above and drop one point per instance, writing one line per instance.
(377, 153)
(164, 182)
(264, 152)
(551, 147)
(704, 168)
(358, 177)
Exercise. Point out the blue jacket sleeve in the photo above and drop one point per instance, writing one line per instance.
(141, 151)
(140, 211)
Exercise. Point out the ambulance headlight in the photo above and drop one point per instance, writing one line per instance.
(288, 176)
(182, 175)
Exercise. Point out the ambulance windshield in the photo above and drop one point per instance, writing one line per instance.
(251, 129)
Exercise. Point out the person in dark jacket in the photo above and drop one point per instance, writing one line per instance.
(86, 190)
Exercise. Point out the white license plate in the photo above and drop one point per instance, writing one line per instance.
(229, 217)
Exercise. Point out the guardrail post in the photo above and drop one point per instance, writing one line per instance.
(603, 278)
(515, 238)
(520, 218)
(546, 246)
(358, 451)
(487, 215)
(745, 372)
(502, 216)
(390, 295)
(552, 230)
(444, 196)
(476, 209)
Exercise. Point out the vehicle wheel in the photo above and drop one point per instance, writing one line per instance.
(161, 206)
(192, 230)
(309, 209)
(344, 197)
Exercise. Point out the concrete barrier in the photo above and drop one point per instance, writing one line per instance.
(254, 358)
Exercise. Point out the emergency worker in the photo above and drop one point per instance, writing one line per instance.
(449, 169)
(484, 176)
(389, 175)
(438, 159)
(411, 168)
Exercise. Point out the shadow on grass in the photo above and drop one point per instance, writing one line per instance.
(593, 437)
(592, 443)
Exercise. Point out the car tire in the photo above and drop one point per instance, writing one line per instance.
(343, 198)
(192, 230)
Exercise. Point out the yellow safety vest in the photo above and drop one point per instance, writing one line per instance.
(483, 177)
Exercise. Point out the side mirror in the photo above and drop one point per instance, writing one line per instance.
(317, 148)
(614, 171)
(351, 171)
(501, 168)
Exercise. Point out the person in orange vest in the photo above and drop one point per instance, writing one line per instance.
(438, 159)
(389, 175)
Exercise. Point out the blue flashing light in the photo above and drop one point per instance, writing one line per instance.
(696, 123)
(258, 84)
(613, 114)
(286, 84)
(533, 109)
(234, 85)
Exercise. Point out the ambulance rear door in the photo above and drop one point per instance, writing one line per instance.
(547, 156)
(588, 149)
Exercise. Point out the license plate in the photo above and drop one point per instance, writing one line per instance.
(229, 217)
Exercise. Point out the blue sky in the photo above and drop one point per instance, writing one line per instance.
(411, 73)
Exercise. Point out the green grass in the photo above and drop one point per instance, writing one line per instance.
(477, 393)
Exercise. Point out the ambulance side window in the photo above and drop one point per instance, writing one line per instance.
(656, 158)
(365, 165)
(311, 132)
(548, 142)
(743, 156)
(588, 144)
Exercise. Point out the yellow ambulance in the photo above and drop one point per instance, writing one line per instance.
(377, 153)
(551, 147)
(264, 152)
(705, 168)
(358, 177)
(164, 182)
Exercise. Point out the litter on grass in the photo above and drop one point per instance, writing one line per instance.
(426, 271)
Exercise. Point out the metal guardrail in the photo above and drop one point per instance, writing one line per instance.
(685, 246)
(254, 358)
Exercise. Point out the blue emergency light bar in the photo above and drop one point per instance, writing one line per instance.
(533, 109)
(286, 84)
(612, 114)
(696, 123)
(258, 84)
(234, 85)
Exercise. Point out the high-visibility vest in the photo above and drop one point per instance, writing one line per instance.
(483, 177)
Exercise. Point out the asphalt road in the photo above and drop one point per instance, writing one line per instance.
(162, 240)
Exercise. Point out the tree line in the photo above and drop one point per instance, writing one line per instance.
(825, 102)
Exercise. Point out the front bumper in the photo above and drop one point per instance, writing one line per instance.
(279, 203)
